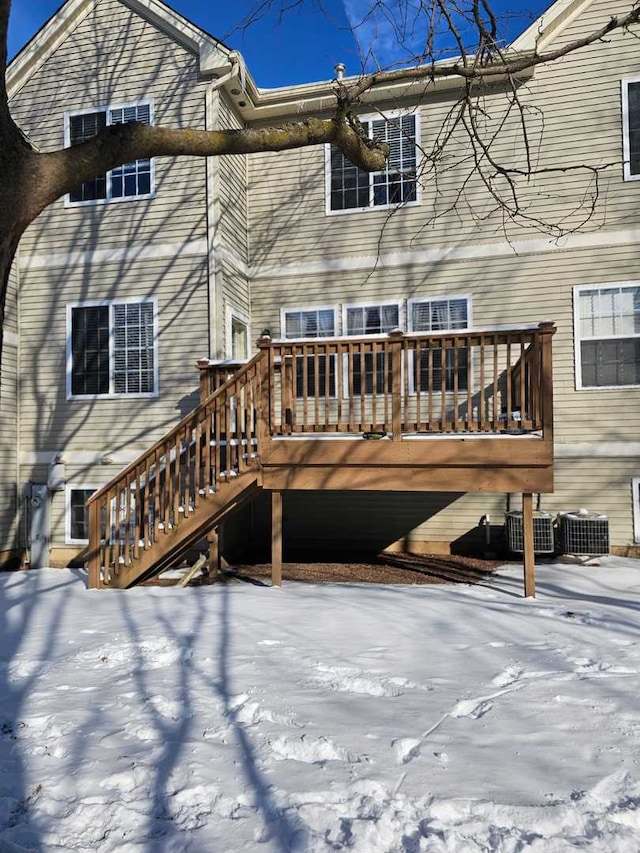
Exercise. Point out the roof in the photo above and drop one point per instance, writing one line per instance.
(216, 59)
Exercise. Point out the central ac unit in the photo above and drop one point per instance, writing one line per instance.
(542, 532)
(584, 533)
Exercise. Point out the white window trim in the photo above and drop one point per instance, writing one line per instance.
(390, 115)
(233, 314)
(442, 298)
(626, 152)
(292, 309)
(577, 339)
(420, 300)
(67, 143)
(635, 496)
(112, 395)
(374, 303)
(73, 487)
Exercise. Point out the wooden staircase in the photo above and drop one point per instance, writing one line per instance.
(470, 410)
(176, 492)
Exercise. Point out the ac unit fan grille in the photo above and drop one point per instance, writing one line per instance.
(543, 540)
(584, 536)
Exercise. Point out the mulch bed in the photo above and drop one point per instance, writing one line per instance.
(397, 568)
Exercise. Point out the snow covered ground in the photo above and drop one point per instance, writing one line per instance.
(322, 718)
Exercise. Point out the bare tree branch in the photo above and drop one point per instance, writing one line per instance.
(59, 172)
(496, 66)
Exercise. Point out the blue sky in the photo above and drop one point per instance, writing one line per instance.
(301, 45)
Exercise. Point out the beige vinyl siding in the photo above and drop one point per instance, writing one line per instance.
(48, 419)
(575, 102)
(112, 57)
(231, 238)
(9, 420)
(233, 189)
(236, 300)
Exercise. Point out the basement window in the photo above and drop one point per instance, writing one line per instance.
(112, 349)
(77, 517)
(131, 180)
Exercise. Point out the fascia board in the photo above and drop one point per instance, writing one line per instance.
(317, 98)
(549, 25)
(214, 56)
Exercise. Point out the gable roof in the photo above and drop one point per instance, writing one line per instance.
(212, 53)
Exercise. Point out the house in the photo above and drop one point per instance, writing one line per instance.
(119, 289)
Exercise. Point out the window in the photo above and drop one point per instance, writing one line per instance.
(77, 518)
(635, 489)
(312, 323)
(438, 315)
(372, 320)
(352, 189)
(237, 336)
(607, 335)
(131, 180)
(631, 128)
(111, 349)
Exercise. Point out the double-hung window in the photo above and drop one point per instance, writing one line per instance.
(131, 180)
(607, 334)
(350, 188)
(111, 349)
(311, 371)
(631, 128)
(377, 319)
(440, 315)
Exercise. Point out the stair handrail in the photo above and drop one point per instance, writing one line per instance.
(180, 425)
(217, 440)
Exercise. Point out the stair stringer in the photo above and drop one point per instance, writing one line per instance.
(170, 547)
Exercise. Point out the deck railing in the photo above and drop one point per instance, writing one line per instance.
(151, 496)
(478, 381)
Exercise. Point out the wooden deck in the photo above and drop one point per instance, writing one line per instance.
(457, 411)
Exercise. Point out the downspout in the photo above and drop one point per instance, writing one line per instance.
(215, 277)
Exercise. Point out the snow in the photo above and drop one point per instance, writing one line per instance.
(322, 717)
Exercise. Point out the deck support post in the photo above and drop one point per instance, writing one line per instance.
(276, 538)
(93, 563)
(215, 557)
(528, 553)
